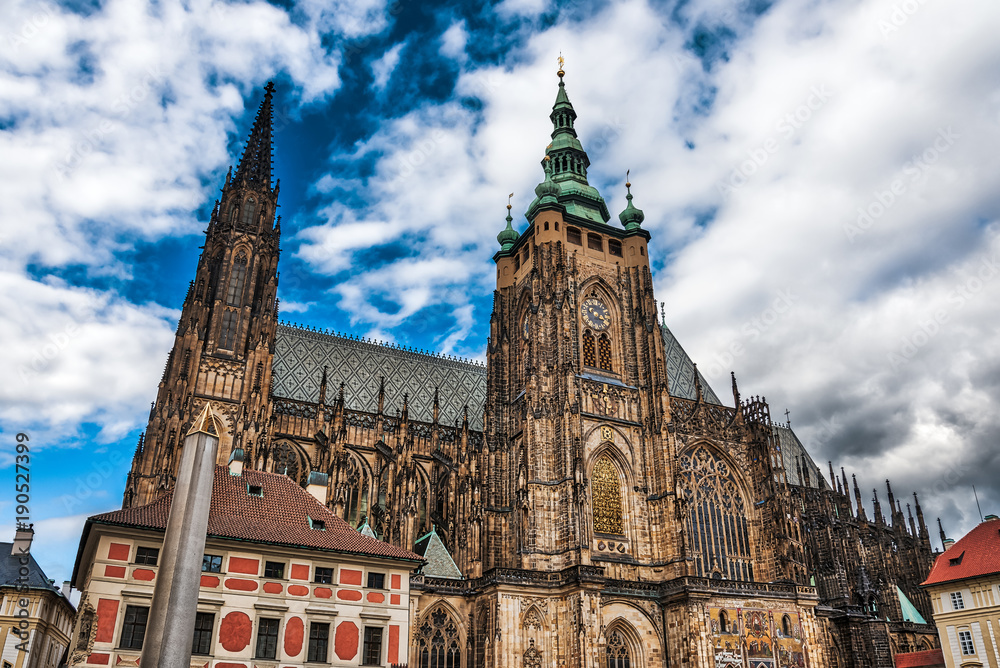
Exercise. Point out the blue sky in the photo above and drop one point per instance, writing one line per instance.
(819, 178)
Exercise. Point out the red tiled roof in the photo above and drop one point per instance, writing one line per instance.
(978, 553)
(278, 517)
(932, 658)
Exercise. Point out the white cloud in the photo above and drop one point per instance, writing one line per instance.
(840, 107)
(453, 41)
(383, 68)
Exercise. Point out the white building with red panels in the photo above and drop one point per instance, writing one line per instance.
(284, 582)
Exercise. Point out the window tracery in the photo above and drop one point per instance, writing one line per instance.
(618, 653)
(286, 461)
(438, 642)
(606, 497)
(532, 657)
(717, 519)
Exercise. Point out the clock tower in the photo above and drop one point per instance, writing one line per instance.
(578, 450)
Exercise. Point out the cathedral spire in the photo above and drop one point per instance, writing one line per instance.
(255, 164)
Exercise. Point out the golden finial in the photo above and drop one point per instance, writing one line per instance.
(509, 198)
(627, 184)
(562, 62)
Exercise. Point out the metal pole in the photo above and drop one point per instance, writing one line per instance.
(167, 643)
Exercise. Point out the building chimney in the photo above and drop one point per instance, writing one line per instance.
(22, 541)
(66, 588)
(236, 462)
(948, 542)
(318, 486)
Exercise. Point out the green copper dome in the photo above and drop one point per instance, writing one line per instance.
(631, 217)
(547, 191)
(566, 165)
(508, 235)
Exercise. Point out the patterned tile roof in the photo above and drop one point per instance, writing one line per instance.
(978, 553)
(301, 354)
(792, 448)
(279, 517)
(680, 372)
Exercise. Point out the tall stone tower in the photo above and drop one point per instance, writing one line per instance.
(577, 382)
(225, 338)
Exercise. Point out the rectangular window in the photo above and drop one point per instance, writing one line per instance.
(372, 655)
(517, 262)
(615, 247)
(965, 640)
(573, 236)
(134, 626)
(274, 569)
(319, 638)
(376, 580)
(267, 638)
(204, 623)
(211, 563)
(595, 242)
(323, 575)
(957, 602)
(147, 555)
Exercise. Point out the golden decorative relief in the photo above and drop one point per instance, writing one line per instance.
(607, 434)
(607, 498)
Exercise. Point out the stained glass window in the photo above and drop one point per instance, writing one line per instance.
(607, 497)
(717, 524)
(228, 337)
(604, 352)
(589, 354)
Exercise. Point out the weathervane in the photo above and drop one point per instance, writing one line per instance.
(509, 198)
(562, 62)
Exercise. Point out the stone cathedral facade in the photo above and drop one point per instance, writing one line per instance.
(585, 498)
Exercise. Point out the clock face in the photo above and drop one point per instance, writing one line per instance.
(524, 327)
(595, 314)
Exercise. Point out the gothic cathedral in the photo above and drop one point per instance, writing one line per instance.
(585, 499)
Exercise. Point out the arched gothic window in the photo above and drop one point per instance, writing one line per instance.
(589, 352)
(618, 652)
(438, 642)
(234, 295)
(723, 622)
(606, 497)
(786, 626)
(717, 523)
(227, 338)
(604, 353)
(357, 502)
(286, 461)
(248, 210)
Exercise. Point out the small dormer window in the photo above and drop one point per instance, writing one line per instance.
(255, 490)
(956, 561)
(317, 525)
